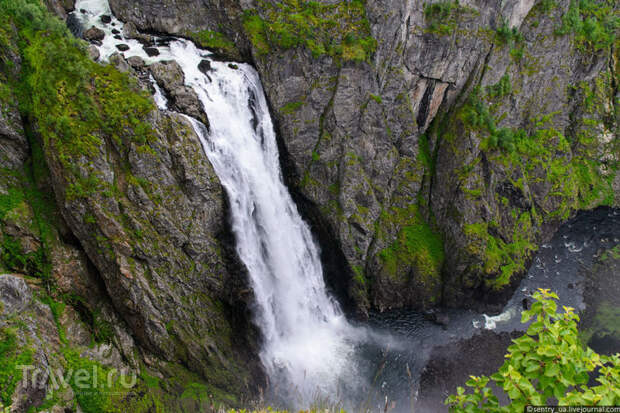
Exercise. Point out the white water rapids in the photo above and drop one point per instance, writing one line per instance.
(308, 343)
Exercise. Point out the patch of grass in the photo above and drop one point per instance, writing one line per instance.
(94, 396)
(214, 41)
(10, 201)
(12, 354)
(502, 260)
(291, 107)
(76, 103)
(13, 257)
(339, 30)
(417, 245)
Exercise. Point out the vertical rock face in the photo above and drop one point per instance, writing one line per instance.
(119, 253)
(154, 240)
(426, 204)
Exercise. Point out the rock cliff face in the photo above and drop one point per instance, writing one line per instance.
(115, 247)
(437, 161)
(432, 147)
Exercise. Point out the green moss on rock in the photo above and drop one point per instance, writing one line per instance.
(340, 29)
(12, 354)
(417, 246)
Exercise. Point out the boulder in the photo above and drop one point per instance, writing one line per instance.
(170, 78)
(94, 33)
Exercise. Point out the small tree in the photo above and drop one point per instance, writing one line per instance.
(547, 365)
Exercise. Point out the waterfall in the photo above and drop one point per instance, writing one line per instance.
(308, 343)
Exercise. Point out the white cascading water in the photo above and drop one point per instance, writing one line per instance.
(308, 343)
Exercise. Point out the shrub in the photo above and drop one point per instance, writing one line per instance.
(546, 364)
(594, 23)
(441, 16)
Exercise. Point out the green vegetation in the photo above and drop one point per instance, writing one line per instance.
(502, 258)
(605, 323)
(291, 107)
(595, 24)
(12, 257)
(536, 153)
(442, 17)
(12, 354)
(76, 103)
(505, 35)
(376, 98)
(339, 30)
(417, 245)
(545, 365)
(214, 41)
(477, 116)
(501, 88)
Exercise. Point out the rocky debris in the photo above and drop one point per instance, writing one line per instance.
(94, 33)
(105, 19)
(122, 47)
(14, 294)
(13, 143)
(36, 332)
(170, 78)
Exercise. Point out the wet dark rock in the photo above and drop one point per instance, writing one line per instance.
(106, 19)
(94, 34)
(122, 47)
(75, 26)
(115, 31)
(151, 51)
(118, 37)
(233, 66)
(204, 66)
